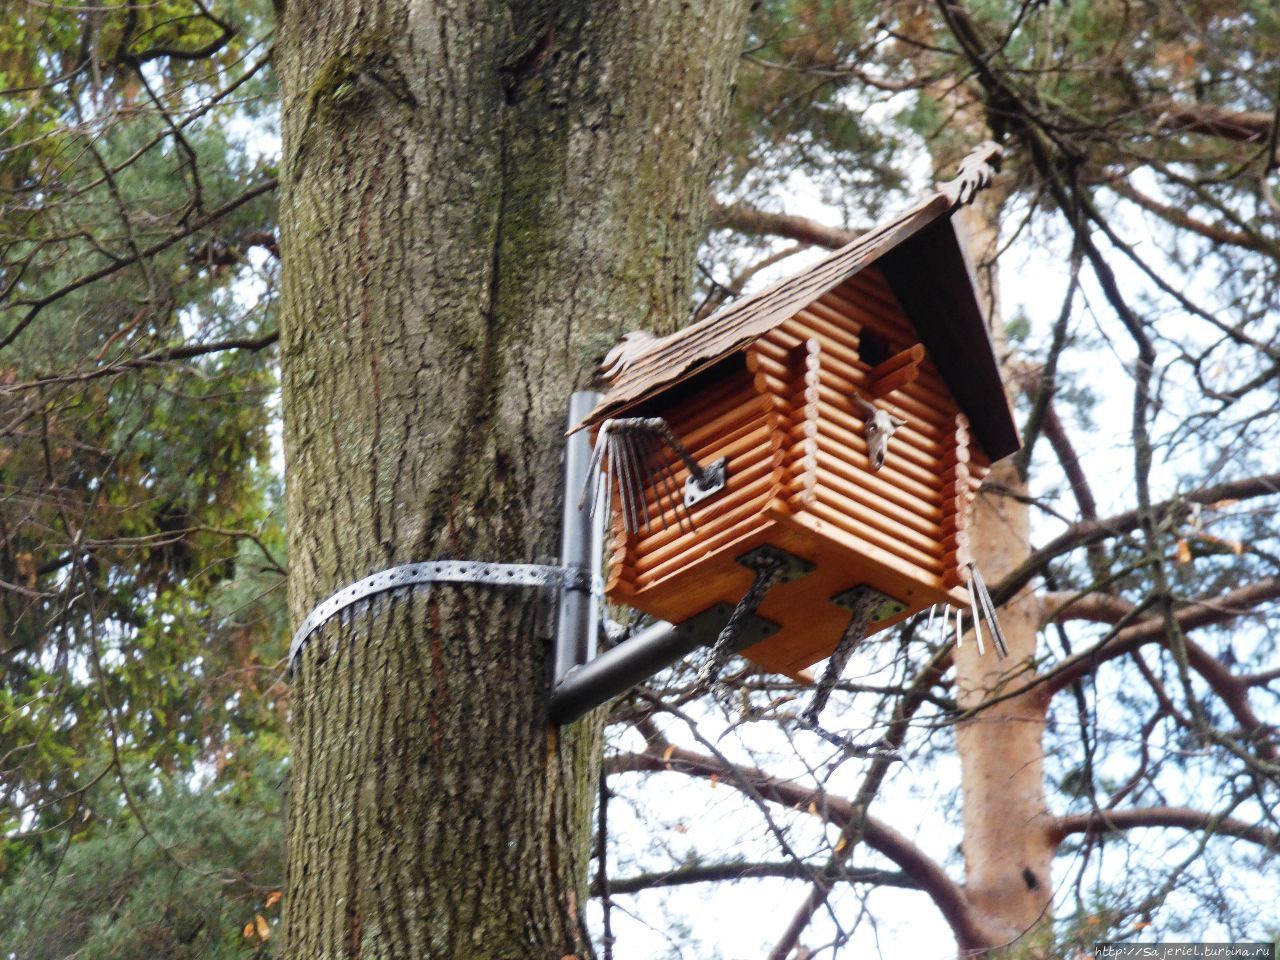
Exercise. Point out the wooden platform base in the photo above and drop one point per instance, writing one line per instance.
(810, 623)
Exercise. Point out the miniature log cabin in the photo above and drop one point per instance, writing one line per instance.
(879, 350)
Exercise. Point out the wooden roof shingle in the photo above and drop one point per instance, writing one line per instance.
(930, 278)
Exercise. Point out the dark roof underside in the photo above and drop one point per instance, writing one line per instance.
(931, 280)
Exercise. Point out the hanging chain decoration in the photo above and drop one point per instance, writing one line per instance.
(629, 454)
(436, 571)
(768, 568)
(865, 602)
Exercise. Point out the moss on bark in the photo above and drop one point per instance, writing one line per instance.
(473, 206)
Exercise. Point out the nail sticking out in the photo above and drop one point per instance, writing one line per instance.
(632, 454)
(977, 621)
(978, 587)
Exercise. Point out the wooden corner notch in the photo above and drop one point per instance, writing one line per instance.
(896, 372)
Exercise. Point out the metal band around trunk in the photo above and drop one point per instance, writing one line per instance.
(437, 571)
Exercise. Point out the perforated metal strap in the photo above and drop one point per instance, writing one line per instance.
(437, 571)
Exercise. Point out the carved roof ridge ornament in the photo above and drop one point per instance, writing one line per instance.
(975, 173)
(624, 353)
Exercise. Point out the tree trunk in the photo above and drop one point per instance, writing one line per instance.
(476, 200)
(1008, 846)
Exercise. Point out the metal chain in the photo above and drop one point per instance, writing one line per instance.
(726, 643)
(436, 571)
(864, 605)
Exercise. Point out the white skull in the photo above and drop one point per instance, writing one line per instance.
(881, 425)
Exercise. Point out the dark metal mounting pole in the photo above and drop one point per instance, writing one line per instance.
(581, 547)
(639, 657)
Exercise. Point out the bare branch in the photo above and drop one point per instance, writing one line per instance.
(1093, 531)
(35, 306)
(730, 872)
(1101, 822)
(1107, 609)
(186, 351)
(946, 894)
(746, 219)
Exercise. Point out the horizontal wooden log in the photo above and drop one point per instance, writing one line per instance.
(838, 320)
(708, 447)
(928, 576)
(907, 440)
(709, 541)
(694, 431)
(933, 419)
(654, 548)
(872, 284)
(929, 531)
(910, 357)
(881, 387)
(874, 514)
(852, 450)
(866, 523)
(741, 474)
(713, 399)
(923, 506)
(933, 423)
(835, 397)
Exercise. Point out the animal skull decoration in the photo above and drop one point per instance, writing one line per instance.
(881, 425)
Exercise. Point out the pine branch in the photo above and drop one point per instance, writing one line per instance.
(739, 870)
(1101, 822)
(750, 220)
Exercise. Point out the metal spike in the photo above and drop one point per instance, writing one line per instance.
(626, 478)
(989, 608)
(973, 612)
(933, 609)
(666, 483)
(652, 480)
(591, 484)
(618, 469)
(635, 453)
(641, 477)
(606, 476)
(661, 485)
(959, 636)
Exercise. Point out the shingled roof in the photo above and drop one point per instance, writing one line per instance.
(921, 258)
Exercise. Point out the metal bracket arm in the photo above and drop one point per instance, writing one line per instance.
(437, 571)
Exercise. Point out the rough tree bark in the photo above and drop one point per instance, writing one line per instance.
(477, 198)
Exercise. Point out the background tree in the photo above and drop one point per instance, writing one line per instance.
(143, 679)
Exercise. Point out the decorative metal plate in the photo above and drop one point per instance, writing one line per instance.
(886, 608)
(437, 571)
(793, 567)
(717, 475)
(703, 628)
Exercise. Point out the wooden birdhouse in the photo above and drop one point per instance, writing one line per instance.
(844, 417)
